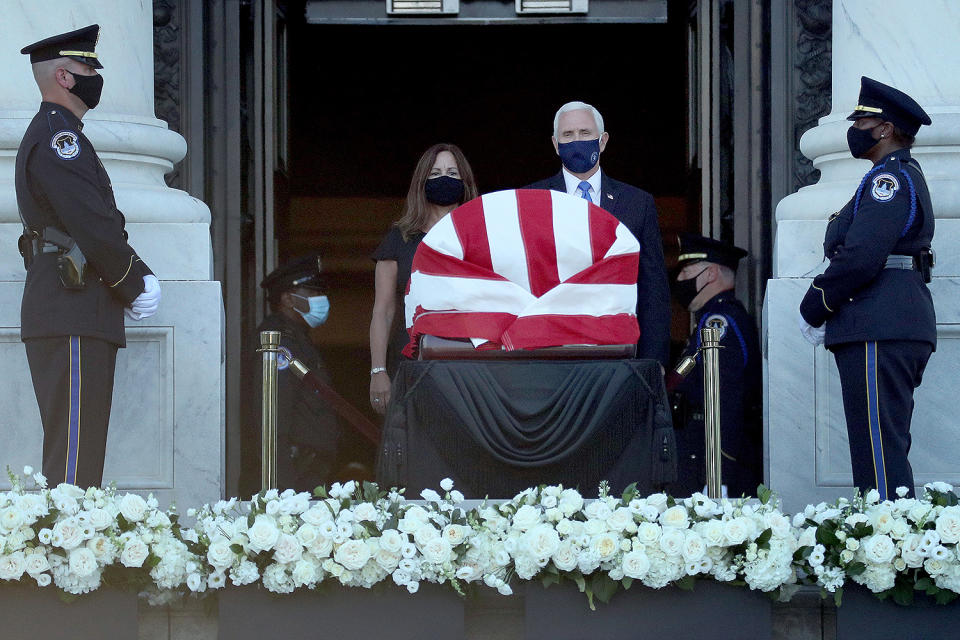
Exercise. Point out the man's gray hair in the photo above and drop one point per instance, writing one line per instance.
(576, 105)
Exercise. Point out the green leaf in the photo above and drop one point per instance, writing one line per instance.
(370, 491)
(630, 493)
(826, 536)
(763, 540)
(627, 583)
(236, 548)
(923, 584)
(837, 596)
(764, 494)
(686, 583)
(603, 587)
(547, 579)
(320, 492)
(581, 582)
(856, 568)
(945, 597)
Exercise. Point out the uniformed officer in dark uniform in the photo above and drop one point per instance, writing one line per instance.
(309, 436)
(704, 284)
(871, 307)
(82, 276)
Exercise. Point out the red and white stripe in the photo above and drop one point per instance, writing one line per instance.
(524, 269)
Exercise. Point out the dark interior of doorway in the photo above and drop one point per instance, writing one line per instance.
(365, 101)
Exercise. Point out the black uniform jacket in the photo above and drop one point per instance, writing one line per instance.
(859, 299)
(635, 208)
(741, 422)
(61, 183)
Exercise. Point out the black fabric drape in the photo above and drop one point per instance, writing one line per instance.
(496, 428)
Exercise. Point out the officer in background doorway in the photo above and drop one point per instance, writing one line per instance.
(82, 276)
(309, 436)
(704, 284)
(871, 307)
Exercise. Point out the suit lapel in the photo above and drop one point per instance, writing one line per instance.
(609, 194)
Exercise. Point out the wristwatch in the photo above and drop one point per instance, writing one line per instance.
(376, 370)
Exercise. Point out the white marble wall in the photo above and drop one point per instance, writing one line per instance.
(166, 432)
(918, 52)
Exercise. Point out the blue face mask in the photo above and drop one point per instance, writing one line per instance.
(579, 156)
(319, 310)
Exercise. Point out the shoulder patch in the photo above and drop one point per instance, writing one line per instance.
(66, 144)
(717, 321)
(884, 187)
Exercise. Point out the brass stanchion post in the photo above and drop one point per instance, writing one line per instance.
(710, 343)
(269, 346)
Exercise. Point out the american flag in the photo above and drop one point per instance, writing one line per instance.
(525, 269)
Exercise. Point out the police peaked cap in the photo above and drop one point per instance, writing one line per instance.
(878, 100)
(79, 45)
(304, 271)
(697, 248)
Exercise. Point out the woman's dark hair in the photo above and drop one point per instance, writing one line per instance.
(415, 213)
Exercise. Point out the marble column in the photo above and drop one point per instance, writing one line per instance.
(166, 433)
(912, 46)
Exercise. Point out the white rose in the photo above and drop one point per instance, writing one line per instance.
(304, 573)
(548, 501)
(455, 534)
(307, 534)
(386, 560)
(569, 502)
(778, 524)
(134, 553)
(712, 532)
(909, 551)
(648, 533)
(430, 495)
(321, 547)
(425, 534)
(263, 534)
(879, 549)
(82, 562)
(526, 517)
(67, 490)
(605, 545)
(12, 565)
(36, 563)
(675, 516)
(316, 515)
(899, 529)
(446, 484)
(808, 538)
(391, 541)
(694, 547)
(436, 551)
(658, 501)
(671, 542)
(132, 507)
(287, 549)
(101, 547)
(220, 555)
(542, 541)
(352, 554)
(565, 557)
(948, 524)
(845, 556)
(620, 519)
(817, 556)
(11, 518)
(67, 534)
(594, 527)
(852, 543)
(597, 510)
(738, 530)
(635, 564)
(365, 512)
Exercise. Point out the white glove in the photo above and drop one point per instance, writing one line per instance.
(147, 303)
(814, 335)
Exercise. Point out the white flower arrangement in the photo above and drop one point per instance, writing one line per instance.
(361, 536)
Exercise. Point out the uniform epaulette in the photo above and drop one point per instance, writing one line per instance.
(892, 165)
(56, 127)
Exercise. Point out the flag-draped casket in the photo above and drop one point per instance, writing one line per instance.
(525, 269)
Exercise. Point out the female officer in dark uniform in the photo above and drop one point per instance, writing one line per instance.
(873, 298)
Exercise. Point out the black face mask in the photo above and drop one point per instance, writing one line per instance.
(684, 291)
(444, 190)
(87, 88)
(860, 141)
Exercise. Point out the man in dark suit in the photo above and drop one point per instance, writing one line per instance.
(579, 138)
(82, 276)
(871, 307)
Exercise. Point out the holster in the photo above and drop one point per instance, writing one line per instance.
(71, 263)
(926, 260)
(25, 244)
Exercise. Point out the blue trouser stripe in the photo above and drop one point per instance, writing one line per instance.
(873, 416)
(73, 427)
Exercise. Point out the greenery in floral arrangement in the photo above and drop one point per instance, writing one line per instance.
(892, 547)
(78, 539)
(359, 535)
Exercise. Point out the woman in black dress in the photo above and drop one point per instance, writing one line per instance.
(442, 181)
